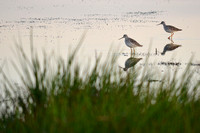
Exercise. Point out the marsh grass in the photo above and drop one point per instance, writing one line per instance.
(58, 99)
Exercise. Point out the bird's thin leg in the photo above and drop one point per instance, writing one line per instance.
(169, 37)
(172, 40)
(134, 51)
(172, 35)
(131, 52)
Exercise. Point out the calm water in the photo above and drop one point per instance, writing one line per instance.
(59, 24)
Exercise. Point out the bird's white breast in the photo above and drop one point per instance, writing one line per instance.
(128, 43)
(167, 29)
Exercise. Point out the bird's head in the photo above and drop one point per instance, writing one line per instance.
(125, 69)
(124, 36)
(163, 53)
(162, 23)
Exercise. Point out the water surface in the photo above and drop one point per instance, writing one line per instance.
(58, 25)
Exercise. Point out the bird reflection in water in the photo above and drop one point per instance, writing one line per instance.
(169, 47)
(130, 62)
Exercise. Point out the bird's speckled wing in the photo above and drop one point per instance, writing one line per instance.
(135, 42)
(173, 46)
(173, 28)
(170, 47)
(130, 62)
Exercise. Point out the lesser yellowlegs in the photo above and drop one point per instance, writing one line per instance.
(131, 43)
(169, 47)
(130, 62)
(170, 29)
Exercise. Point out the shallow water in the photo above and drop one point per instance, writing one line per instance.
(58, 25)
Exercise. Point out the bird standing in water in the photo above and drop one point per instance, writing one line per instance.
(169, 29)
(131, 43)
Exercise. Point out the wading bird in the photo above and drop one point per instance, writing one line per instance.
(131, 43)
(169, 29)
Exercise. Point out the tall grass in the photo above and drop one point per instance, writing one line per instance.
(58, 99)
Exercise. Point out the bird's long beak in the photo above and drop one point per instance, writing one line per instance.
(120, 67)
(121, 38)
(159, 24)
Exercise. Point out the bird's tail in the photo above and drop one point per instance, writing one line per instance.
(178, 46)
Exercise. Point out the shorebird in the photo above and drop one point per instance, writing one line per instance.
(130, 62)
(170, 29)
(169, 47)
(130, 43)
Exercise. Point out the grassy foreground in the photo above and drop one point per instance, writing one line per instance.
(58, 99)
